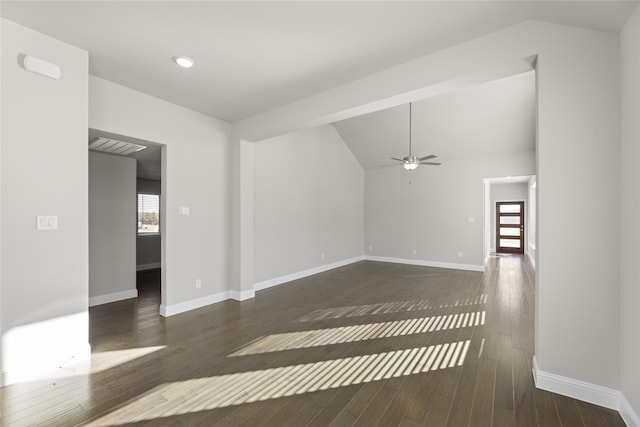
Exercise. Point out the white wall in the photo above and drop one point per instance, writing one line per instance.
(428, 209)
(577, 260)
(308, 202)
(508, 192)
(240, 225)
(630, 208)
(112, 228)
(44, 172)
(194, 176)
(148, 248)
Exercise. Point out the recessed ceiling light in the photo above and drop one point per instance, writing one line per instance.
(184, 61)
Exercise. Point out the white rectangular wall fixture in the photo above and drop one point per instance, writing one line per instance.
(40, 66)
(46, 222)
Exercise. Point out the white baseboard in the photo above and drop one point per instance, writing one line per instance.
(181, 307)
(150, 266)
(170, 310)
(242, 295)
(301, 274)
(116, 296)
(627, 413)
(532, 260)
(587, 392)
(426, 263)
(598, 395)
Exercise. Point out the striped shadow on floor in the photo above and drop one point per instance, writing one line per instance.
(369, 331)
(202, 394)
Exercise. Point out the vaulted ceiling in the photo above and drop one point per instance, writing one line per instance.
(251, 57)
(491, 118)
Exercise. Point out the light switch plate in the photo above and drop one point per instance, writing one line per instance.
(46, 222)
(183, 211)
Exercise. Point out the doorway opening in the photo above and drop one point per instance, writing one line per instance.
(125, 219)
(148, 236)
(502, 230)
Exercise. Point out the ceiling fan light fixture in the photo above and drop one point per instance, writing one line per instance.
(412, 162)
(183, 61)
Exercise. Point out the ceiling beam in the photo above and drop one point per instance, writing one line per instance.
(435, 74)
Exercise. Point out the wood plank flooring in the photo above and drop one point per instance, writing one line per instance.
(363, 345)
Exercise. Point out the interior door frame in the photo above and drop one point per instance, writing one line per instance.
(522, 225)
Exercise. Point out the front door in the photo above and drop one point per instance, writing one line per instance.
(510, 227)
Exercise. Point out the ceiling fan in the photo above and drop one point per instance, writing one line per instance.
(411, 162)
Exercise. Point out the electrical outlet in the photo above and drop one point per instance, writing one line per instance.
(198, 283)
(370, 248)
(460, 254)
(322, 255)
(415, 251)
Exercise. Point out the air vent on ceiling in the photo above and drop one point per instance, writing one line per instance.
(114, 146)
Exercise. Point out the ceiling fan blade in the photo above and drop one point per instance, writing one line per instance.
(430, 156)
(395, 158)
(430, 163)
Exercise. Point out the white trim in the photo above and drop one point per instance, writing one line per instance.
(116, 296)
(627, 413)
(301, 274)
(581, 390)
(149, 266)
(242, 295)
(598, 395)
(532, 260)
(181, 307)
(426, 263)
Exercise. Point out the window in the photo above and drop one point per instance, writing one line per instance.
(148, 214)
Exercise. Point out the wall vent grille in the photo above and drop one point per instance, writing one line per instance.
(114, 146)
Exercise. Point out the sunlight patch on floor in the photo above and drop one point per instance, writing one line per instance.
(201, 394)
(345, 334)
(101, 361)
(389, 307)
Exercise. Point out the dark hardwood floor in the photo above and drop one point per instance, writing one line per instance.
(363, 345)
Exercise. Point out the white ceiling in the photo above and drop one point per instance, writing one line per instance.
(251, 57)
(494, 117)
